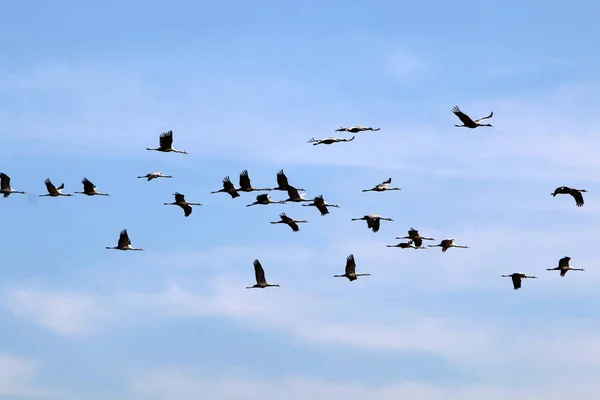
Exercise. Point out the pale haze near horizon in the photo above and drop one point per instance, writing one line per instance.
(86, 87)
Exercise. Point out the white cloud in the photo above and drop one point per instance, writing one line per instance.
(543, 135)
(18, 379)
(65, 313)
(380, 313)
(183, 385)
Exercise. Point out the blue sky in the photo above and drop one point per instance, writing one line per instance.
(85, 87)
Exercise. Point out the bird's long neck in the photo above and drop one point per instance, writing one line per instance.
(460, 126)
(302, 221)
(148, 148)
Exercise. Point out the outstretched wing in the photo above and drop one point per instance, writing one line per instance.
(413, 233)
(322, 208)
(4, 181)
(282, 180)
(516, 280)
(350, 265)
(187, 209)
(375, 224)
(386, 182)
(227, 185)
(259, 272)
(577, 196)
(418, 241)
(446, 244)
(319, 200)
(179, 198)
(166, 140)
(245, 180)
(88, 186)
(284, 217)
(124, 239)
(462, 116)
(50, 187)
(293, 192)
(262, 197)
(484, 118)
(564, 262)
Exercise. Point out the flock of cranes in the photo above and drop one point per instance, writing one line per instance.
(415, 240)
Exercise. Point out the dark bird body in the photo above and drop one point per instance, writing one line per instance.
(382, 187)
(407, 245)
(414, 236)
(264, 199)
(576, 193)
(446, 244)
(467, 121)
(246, 184)
(516, 279)
(282, 182)
(291, 222)
(356, 129)
(321, 205)
(166, 144)
(5, 188)
(373, 221)
(294, 196)
(90, 189)
(54, 191)
(155, 175)
(329, 140)
(228, 188)
(183, 203)
(259, 273)
(124, 242)
(350, 272)
(564, 267)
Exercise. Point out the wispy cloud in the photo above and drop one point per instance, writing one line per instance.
(184, 385)
(468, 337)
(18, 379)
(543, 135)
(65, 313)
